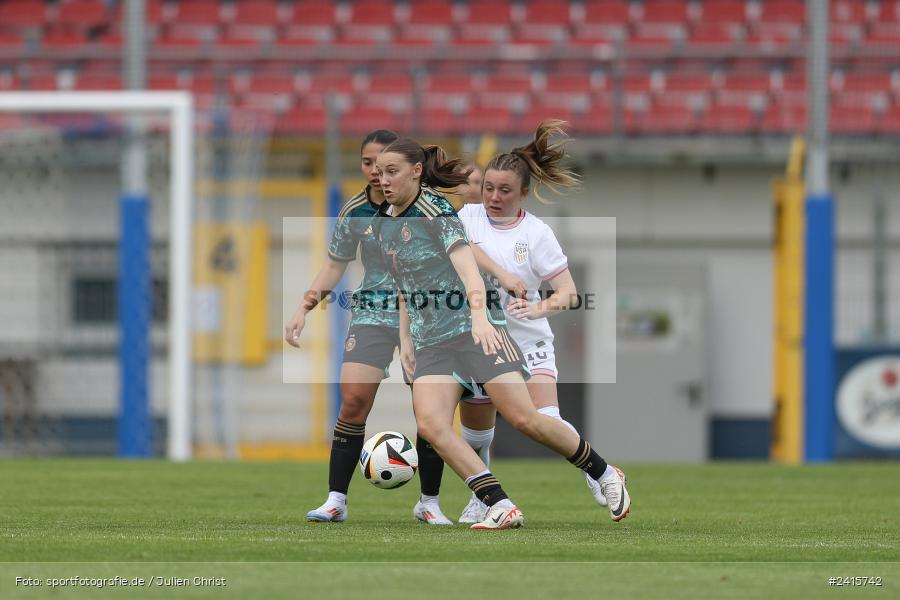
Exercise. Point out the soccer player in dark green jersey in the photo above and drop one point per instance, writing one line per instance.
(451, 324)
(371, 340)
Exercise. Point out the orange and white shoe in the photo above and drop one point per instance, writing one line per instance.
(613, 488)
(503, 515)
(430, 512)
(594, 486)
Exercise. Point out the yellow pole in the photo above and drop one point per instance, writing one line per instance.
(788, 262)
(321, 347)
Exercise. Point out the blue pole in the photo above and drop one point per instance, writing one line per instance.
(338, 316)
(819, 330)
(135, 304)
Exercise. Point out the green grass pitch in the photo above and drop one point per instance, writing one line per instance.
(725, 530)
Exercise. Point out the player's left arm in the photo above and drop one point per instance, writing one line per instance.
(564, 297)
(482, 331)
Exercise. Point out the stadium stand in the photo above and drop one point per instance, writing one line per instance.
(639, 67)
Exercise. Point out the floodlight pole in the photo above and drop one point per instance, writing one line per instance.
(819, 250)
(135, 281)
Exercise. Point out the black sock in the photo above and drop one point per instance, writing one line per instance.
(587, 460)
(431, 467)
(487, 489)
(345, 448)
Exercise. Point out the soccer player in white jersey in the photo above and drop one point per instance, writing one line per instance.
(522, 252)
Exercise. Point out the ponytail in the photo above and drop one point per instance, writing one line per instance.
(437, 169)
(539, 159)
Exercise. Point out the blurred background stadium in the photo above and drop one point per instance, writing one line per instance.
(683, 113)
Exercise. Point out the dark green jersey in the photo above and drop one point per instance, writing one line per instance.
(417, 244)
(374, 302)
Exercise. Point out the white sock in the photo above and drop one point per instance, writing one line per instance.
(480, 440)
(337, 498)
(609, 472)
(553, 411)
(427, 499)
(505, 503)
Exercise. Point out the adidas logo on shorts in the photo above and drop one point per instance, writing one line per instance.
(499, 361)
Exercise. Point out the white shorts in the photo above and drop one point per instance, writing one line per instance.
(540, 358)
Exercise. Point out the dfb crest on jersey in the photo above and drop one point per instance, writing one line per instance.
(405, 233)
(521, 252)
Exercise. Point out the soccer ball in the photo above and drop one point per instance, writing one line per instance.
(388, 460)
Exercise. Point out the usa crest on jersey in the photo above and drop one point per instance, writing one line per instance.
(521, 252)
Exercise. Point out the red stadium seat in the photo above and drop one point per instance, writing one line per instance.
(747, 82)
(198, 12)
(63, 40)
(331, 84)
(313, 13)
(22, 13)
(889, 11)
(438, 121)
(489, 12)
(260, 13)
(482, 119)
(431, 12)
(302, 120)
(459, 84)
(711, 36)
(90, 82)
(778, 39)
(500, 83)
(423, 35)
(688, 81)
(652, 41)
(724, 11)
(867, 82)
(373, 12)
(81, 14)
(729, 119)
(573, 83)
(391, 84)
(847, 11)
(596, 120)
(606, 12)
(10, 41)
(538, 112)
(783, 11)
(785, 118)
(664, 11)
(856, 120)
(883, 34)
(362, 119)
(547, 12)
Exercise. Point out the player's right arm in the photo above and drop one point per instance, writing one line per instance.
(509, 282)
(407, 349)
(327, 277)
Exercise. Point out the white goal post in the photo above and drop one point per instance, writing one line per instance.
(178, 107)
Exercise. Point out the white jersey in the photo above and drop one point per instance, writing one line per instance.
(528, 249)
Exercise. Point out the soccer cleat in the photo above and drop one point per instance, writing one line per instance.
(329, 512)
(594, 486)
(430, 513)
(474, 512)
(501, 518)
(613, 488)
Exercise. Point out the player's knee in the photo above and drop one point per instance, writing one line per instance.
(526, 422)
(429, 428)
(354, 406)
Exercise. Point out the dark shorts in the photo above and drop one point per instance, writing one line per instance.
(464, 360)
(371, 345)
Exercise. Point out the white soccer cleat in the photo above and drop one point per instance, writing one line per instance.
(474, 512)
(499, 517)
(613, 488)
(594, 486)
(330, 512)
(430, 513)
